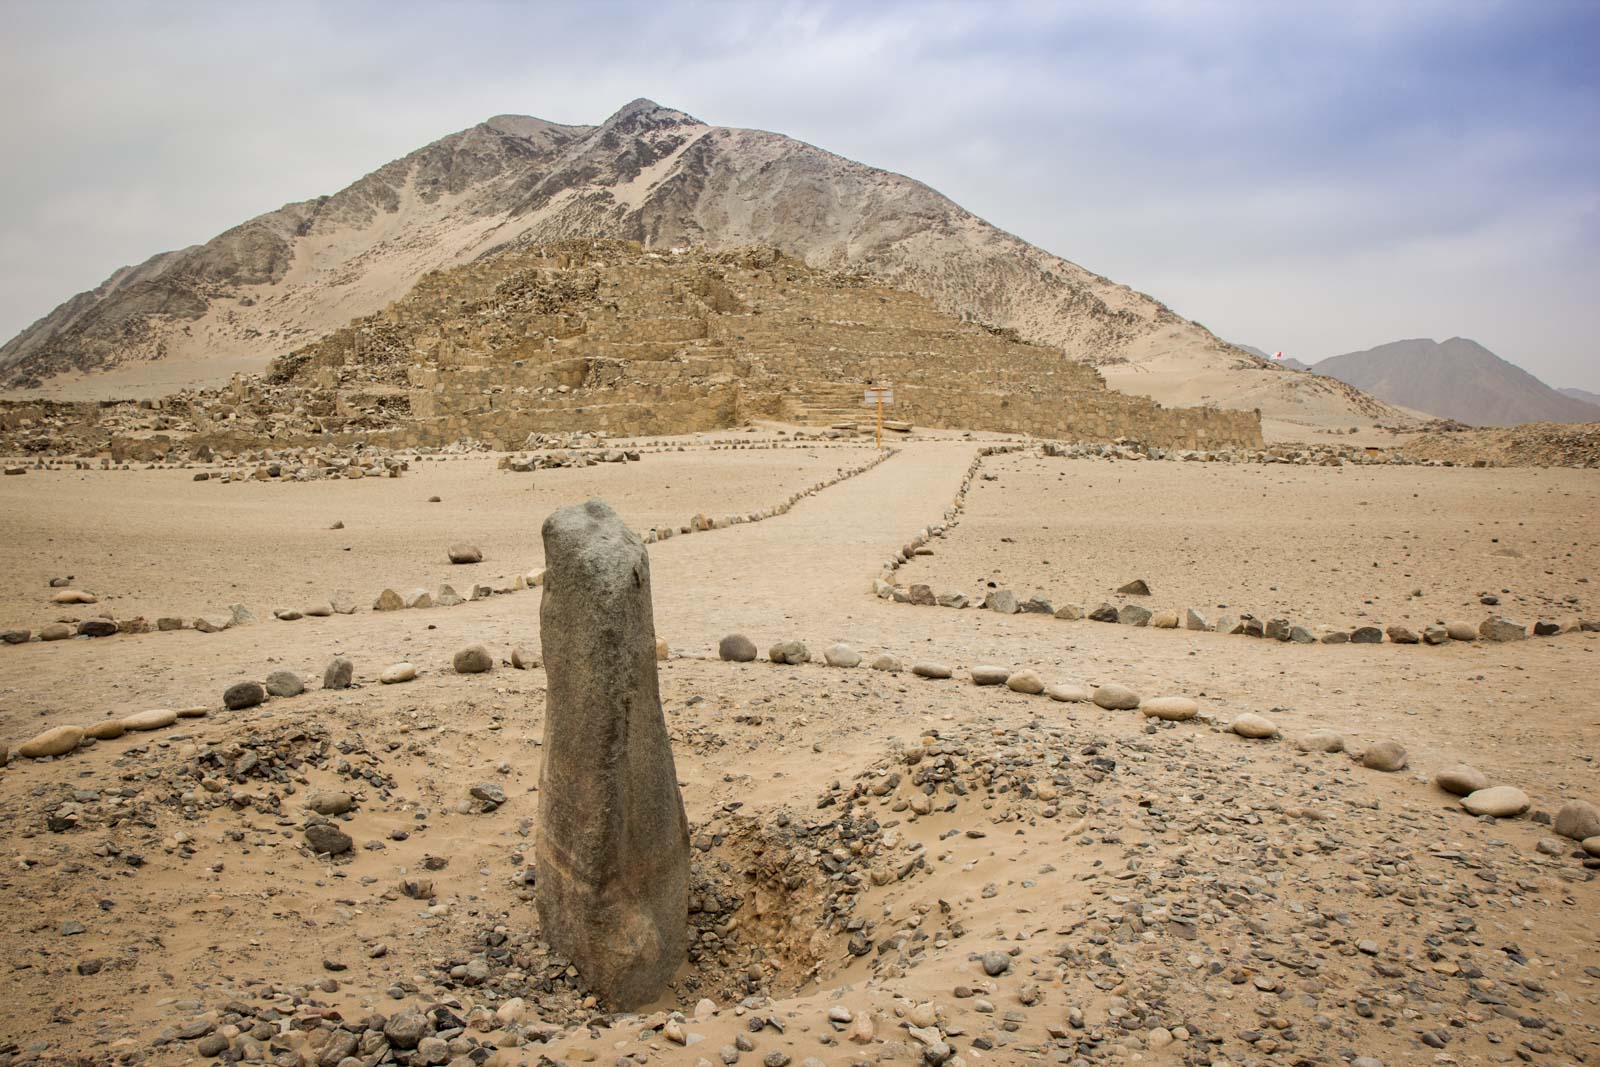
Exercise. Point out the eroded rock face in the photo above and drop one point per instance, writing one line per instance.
(613, 846)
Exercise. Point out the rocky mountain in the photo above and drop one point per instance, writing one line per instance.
(651, 174)
(1581, 394)
(1455, 379)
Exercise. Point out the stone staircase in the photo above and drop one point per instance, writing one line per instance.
(822, 403)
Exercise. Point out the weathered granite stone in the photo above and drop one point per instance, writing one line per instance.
(613, 844)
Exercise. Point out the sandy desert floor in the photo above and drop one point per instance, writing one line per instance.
(869, 846)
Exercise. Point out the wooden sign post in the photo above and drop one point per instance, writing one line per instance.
(881, 395)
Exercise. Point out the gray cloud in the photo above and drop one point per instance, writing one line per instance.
(1309, 177)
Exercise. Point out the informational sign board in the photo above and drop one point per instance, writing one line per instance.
(876, 396)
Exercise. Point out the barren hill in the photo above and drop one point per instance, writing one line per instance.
(650, 174)
(1455, 379)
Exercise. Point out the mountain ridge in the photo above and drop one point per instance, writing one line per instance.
(665, 178)
(1457, 378)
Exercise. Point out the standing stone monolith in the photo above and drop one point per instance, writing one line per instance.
(612, 857)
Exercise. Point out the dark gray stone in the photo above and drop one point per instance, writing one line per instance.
(737, 648)
(613, 844)
(339, 673)
(243, 695)
(1133, 615)
(474, 659)
(1002, 600)
(326, 837)
(790, 652)
(285, 684)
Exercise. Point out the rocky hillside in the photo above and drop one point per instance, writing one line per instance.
(1455, 379)
(654, 175)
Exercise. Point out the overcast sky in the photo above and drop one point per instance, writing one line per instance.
(1309, 178)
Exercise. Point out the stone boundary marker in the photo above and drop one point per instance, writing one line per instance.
(343, 602)
(1477, 795)
(612, 849)
(1494, 628)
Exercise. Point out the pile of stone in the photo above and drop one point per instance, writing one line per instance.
(524, 464)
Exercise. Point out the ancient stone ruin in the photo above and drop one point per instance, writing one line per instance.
(607, 336)
(613, 848)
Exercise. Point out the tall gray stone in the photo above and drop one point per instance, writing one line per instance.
(613, 849)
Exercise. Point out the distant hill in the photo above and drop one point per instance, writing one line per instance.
(650, 174)
(1456, 379)
(1581, 394)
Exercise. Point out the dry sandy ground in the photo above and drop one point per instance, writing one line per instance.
(1172, 894)
(1341, 547)
(146, 542)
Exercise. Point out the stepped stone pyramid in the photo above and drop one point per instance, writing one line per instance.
(606, 335)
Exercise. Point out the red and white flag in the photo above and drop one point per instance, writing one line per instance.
(1277, 355)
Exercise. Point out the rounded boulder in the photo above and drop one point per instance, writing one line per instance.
(285, 684)
(1461, 780)
(790, 652)
(57, 741)
(474, 659)
(1385, 756)
(736, 648)
(841, 655)
(1323, 740)
(1025, 681)
(154, 719)
(1501, 801)
(396, 673)
(1115, 697)
(1578, 820)
(984, 675)
(1170, 709)
(1256, 727)
(242, 695)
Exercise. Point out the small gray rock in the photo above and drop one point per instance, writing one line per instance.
(1578, 819)
(327, 838)
(1116, 697)
(1384, 756)
(474, 659)
(285, 684)
(243, 695)
(737, 648)
(790, 652)
(339, 674)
